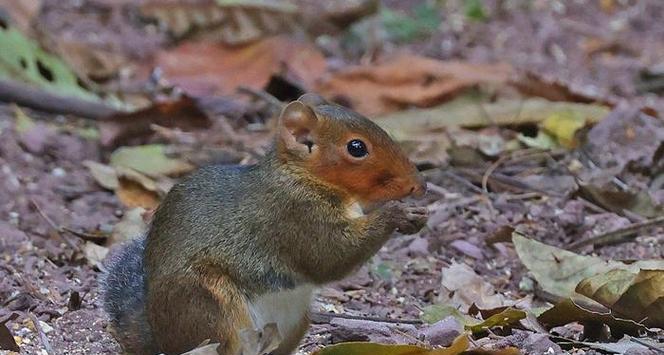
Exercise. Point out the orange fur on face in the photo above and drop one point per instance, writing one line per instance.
(384, 174)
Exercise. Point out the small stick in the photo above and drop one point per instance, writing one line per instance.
(320, 317)
(42, 336)
(647, 345)
(616, 235)
(46, 101)
(263, 95)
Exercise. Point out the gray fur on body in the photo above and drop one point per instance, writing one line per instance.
(123, 290)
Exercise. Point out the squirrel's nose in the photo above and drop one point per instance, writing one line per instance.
(419, 188)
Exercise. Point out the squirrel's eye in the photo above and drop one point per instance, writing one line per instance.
(357, 148)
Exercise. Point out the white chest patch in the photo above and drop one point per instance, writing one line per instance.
(354, 210)
(285, 308)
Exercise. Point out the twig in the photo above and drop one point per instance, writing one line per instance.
(42, 336)
(263, 95)
(463, 181)
(45, 101)
(647, 345)
(321, 318)
(57, 228)
(85, 236)
(617, 235)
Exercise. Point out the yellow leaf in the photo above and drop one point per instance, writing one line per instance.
(564, 125)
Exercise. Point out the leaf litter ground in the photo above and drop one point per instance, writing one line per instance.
(47, 192)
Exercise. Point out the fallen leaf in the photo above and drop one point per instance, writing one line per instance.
(564, 126)
(407, 81)
(23, 60)
(104, 175)
(133, 194)
(459, 345)
(437, 312)
(132, 225)
(229, 21)
(634, 295)
(507, 317)
(150, 160)
(462, 287)
(558, 271)
(639, 202)
(208, 68)
(183, 113)
(7, 341)
(469, 112)
(94, 253)
(572, 310)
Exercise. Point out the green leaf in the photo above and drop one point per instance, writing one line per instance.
(404, 28)
(23, 60)
(474, 10)
(150, 160)
(434, 313)
(507, 317)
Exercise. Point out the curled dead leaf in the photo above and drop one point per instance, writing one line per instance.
(407, 81)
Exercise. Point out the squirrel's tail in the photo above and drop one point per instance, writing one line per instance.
(123, 294)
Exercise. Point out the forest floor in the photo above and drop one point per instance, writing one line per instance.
(55, 216)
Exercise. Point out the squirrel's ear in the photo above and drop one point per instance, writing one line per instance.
(312, 99)
(296, 124)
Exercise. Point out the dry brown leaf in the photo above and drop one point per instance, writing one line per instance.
(131, 225)
(462, 288)
(183, 113)
(231, 22)
(407, 81)
(207, 68)
(94, 253)
(133, 194)
(638, 296)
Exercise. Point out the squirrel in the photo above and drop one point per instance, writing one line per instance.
(241, 247)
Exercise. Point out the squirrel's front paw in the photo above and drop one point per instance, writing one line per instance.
(409, 219)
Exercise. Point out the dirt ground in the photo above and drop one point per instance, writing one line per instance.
(45, 192)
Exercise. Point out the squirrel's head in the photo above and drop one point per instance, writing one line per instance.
(346, 150)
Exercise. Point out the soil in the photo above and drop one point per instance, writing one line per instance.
(45, 189)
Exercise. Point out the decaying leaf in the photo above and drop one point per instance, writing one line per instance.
(407, 81)
(437, 312)
(571, 310)
(462, 288)
(94, 253)
(469, 112)
(459, 345)
(132, 225)
(639, 202)
(23, 60)
(105, 175)
(133, 194)
(635, 295)
(7, 341)
(564, 126)
(558, 271)
(229, 21)
(509, 316)
(209, 349)
(183, 113)
(150, 160)
(208, 68)
(624, 346)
